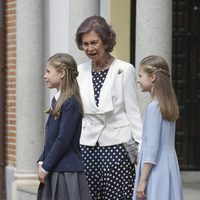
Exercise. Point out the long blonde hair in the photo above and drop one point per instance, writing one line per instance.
(163, 90)
(69, 86)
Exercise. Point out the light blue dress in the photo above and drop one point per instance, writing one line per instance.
(158, 147)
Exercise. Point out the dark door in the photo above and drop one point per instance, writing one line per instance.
(186, 80)
(133, 32)
(2, 160)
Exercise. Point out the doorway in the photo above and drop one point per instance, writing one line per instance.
(186, 77)
(186, 80)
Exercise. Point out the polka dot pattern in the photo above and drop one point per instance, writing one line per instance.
(109, 173)
(98, 79)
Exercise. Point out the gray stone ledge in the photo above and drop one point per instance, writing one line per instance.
(190, 177)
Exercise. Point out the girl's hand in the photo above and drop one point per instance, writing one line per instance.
(140, 190)
(41, 174)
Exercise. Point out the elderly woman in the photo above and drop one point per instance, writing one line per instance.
(111, 112)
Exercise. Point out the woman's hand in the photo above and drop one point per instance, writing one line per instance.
(140, 190)
(41, 174)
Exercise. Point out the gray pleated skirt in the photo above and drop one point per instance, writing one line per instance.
(64, 186)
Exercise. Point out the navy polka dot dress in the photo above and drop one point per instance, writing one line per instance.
(98, 79)
(109, 173)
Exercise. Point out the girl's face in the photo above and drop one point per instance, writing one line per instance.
(146, 81)
(93, 46)
(53, 77)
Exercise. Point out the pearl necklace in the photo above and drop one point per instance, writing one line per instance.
(104, 65)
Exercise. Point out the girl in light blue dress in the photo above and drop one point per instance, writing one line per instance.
(158, 174)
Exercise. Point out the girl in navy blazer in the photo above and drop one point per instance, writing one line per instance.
(60, 167)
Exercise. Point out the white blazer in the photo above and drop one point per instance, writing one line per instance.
(117, 118)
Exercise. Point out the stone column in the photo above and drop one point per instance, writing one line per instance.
(153, 31)
(29, 97)
(60, 37)
(78, 11)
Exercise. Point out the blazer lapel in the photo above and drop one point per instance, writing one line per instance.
(87, 90)
(105, 98)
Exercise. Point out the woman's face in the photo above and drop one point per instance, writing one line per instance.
(93, 46)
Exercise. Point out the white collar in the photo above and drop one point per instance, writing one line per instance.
(57, 95)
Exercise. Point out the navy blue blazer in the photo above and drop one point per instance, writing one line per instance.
(62, 150)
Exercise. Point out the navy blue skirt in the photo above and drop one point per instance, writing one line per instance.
(109, 173)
